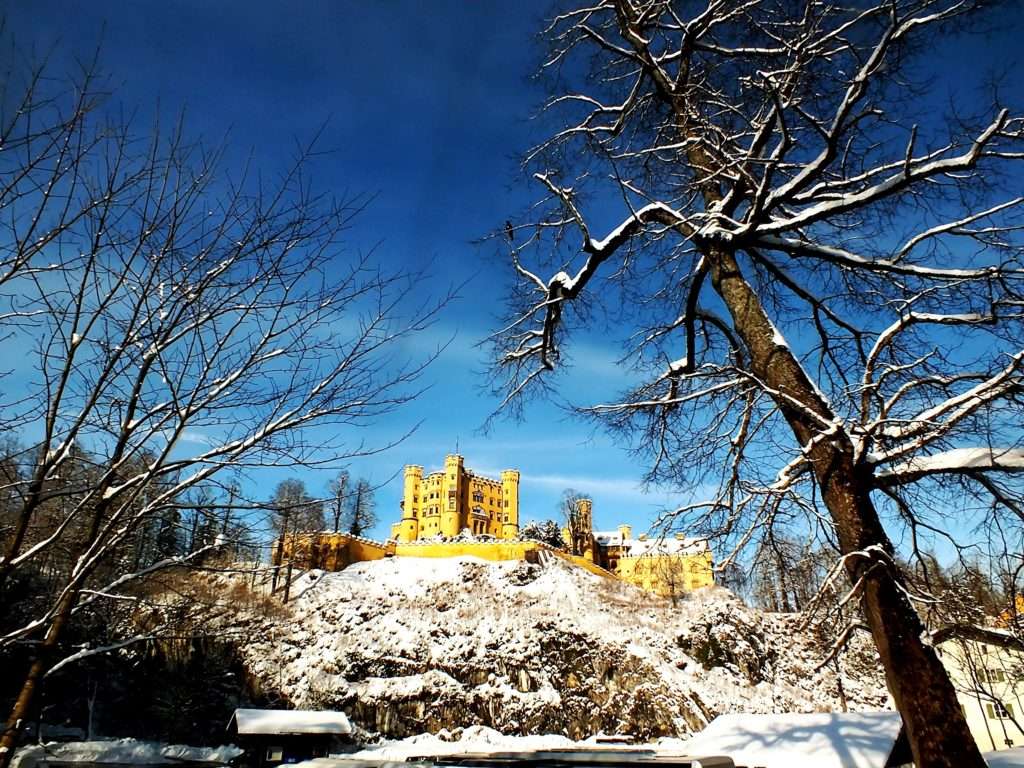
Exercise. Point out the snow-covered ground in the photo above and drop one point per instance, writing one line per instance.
(475, 739)
(122, 751)
(819, 741)
(412, 645)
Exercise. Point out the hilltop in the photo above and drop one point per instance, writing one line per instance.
(411, 645)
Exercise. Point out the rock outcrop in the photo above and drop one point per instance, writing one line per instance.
(409, 645)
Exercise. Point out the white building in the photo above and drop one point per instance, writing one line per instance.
(987, 669)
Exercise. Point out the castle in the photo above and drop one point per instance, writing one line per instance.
(439, 510)
(666, 566)
(456, 499)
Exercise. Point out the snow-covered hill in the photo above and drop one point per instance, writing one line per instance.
(407, 645)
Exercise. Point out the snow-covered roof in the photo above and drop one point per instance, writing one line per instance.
(815, 740)
(984, 635)
(608, 538)
(639, 547)
(649, 546)
(281, 721)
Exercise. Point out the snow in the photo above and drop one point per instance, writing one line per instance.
(527, 648)
(476, 738)
(665, 546)
(816, 740)
(273, 721)
(122, 751)
(640, 216)
(646, 546)
(961, 459)
(563, 279)
(1005, 758)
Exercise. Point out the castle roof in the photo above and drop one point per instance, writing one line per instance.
(650, 546)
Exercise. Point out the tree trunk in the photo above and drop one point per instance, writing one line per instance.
(38, 669)
(925, 697)
(839, 683)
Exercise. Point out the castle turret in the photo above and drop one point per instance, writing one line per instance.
(626, 532)
(451, 494)
(585, 508)
(409, 528)
(510, 504)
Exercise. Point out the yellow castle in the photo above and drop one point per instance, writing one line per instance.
(440, 506)
(456, 499)
(666, 566)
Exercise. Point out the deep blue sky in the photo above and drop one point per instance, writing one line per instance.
(427, 105)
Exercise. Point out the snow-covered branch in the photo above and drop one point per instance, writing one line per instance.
(962, 461)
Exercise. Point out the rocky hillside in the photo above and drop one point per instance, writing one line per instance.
(411, 645)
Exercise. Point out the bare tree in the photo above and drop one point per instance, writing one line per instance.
(339, 499)
(362, 514)
(294, 510)
(670, 571)
(787, 574)
(178, 322)
(823, 290)
(577, 526)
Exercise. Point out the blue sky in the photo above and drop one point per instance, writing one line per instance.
(427, 106)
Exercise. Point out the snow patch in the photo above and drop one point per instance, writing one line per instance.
(121, 751)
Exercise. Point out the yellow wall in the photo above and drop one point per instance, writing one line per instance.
(485, 550)
(668, 574)
(329, 551)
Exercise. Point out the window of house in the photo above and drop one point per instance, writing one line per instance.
(997, 710)
(275, 754)
(991, 676)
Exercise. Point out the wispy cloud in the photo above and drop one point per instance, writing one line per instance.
(599, 487)
(190, 436)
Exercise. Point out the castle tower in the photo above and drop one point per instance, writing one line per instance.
(586, 523)
(586, 509)
(510, 504)
(451, 496)
(409, 528)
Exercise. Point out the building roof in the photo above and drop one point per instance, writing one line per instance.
(815, 740)
(650, 546)
(985, 635)
(290, 721)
